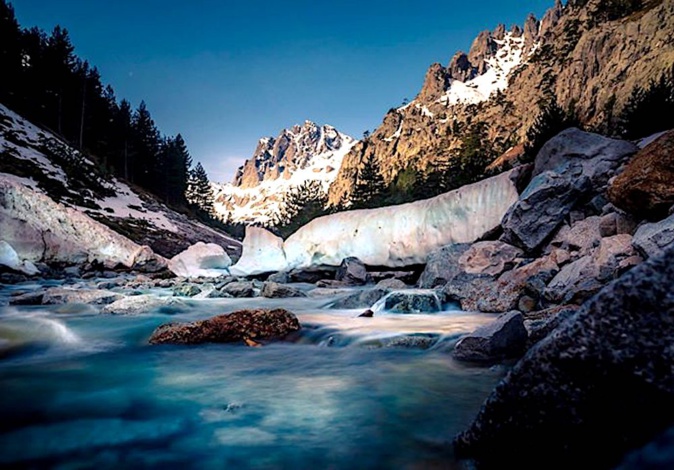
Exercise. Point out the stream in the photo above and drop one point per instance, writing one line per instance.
(84, 390)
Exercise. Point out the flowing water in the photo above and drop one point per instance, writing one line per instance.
(83, 390)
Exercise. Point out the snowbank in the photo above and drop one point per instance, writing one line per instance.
(201, 260)
(262, 253)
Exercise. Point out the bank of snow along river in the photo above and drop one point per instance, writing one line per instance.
(84, 389)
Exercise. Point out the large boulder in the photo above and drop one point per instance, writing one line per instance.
(601, 384)
(201, 260)
(352, 272)
(645, 187)
(242, 325)
(442, 266)
(505, 337)
(653, 239)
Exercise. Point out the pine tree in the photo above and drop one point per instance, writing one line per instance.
(199, 193)
(551, 120)
(649, 110)
(147, 169)
(370, 185)
(300, 206)
(10, 54)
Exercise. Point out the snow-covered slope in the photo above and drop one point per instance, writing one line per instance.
(43, 163)
(300, 154)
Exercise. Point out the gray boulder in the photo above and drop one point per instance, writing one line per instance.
(392, 284)
(652, 239)
(601, 384)
(412, 302)
(352, 272)
(187, 290)
(140, 304)
(442, 266)
(280, 277)
(239, 289)
(64, 295)
(312, 274)
(274, 290)
(362, 299)
(503, 338)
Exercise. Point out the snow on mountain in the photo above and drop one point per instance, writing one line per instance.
(299, 154)
(43, 163)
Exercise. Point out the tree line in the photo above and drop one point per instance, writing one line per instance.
(46, 82)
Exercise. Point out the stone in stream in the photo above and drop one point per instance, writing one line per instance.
(250, 326)
(411, 302)
(274, 290)
(352, 272)
(504, 338)
(392, 284)
(139, 304)
(187, 290)
(64, 295)
(366, 314)
(362, 299)
(28, 298)
(600, 385)
(240, 289)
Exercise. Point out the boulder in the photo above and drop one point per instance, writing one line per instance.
(65, 295)
(391, 284)
(584, 277)
(201, 260)
(505, 337)
(645, 188)
(599, 157)
(601, 384)
(362, 299)
(240, 289)
(652, 239)
(242, 325)
(442, 266)
(28, 298)
(187, 290)
(280, 277)
(543, 206)
(140, 304)
(581, 237)
(489, 257)
(616, 223)
(542, 323)
(411, 301)
(352, 271)
(312, 274)
(273, 290)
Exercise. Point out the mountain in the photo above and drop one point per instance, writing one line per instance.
(57, 205)
(586, 56)
(302, 153)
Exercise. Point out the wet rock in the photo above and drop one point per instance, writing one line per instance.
(411, 302)
(280, 277)
(352, 272)
(362, 299)
(64, 295)
(29, 298)
(392, 284)
(652, 239)
(273, 290)
(366, 314)
(240, 289)
(505, 337)
(312, 274)
(187, 290)
(645, 188)
(144, 303)
(599, 386)
(242, 325)
(442, 266)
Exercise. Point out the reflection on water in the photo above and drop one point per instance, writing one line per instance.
(81, 390)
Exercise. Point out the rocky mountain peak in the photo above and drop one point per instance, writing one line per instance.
(483, 48)
(531, 30)
(435, 83)
(551, 18)
(460, 68)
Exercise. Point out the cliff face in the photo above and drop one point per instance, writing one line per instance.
(577, 54)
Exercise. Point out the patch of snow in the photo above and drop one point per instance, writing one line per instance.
(396, 134)
(262, 253)
(201, 260)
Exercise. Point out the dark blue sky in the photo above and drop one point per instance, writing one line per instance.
(225, 73)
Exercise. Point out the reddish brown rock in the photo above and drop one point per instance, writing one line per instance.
(645, 187)
(243, 325)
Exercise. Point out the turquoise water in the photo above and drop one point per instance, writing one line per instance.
(83, 390)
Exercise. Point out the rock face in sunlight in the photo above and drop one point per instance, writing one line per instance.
(200, 260)
(243, 325)
(262, 253)
(41, 230)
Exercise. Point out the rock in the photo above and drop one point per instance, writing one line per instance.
(363, 299)
(279, 277)
(201, 260)
(542, 323)
(240, 289)
(262, 253)
(583, 236)
(652, 239)
(584, 277)
(187, 290)
(615, 223)
(10, 259)
(391, 284)
(506, 337)
(366, 314)
(242, 325)
(29, 298)
(352, 271)
(64, 295)
(410, 302)
(442, 266)
(599, 157)
(543, 206)
(599, 386)
(645, 188)
(489, 257)
(408, 277)
(146, 303)
(313, 274)
(273, 290)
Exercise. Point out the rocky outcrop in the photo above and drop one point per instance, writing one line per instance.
(645, 187)
(503, 338)
(41, 230)
(201, 260)
(240, 326)
(600, 385)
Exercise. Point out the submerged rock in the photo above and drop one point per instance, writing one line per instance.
(362, 299)
(242, 325)
(505, 337)
(139, 304)
(601, 384)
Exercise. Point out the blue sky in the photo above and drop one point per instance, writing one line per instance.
(226, 73)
